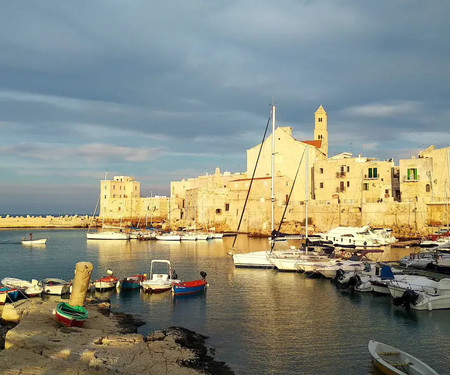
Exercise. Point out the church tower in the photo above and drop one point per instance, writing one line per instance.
(320, 129)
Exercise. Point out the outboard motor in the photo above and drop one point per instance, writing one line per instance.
(408, 298)
(340, 274)
(352, 283)
(203, 274)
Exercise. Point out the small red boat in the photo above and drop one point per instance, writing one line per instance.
(190, 287)
(105, 283)
(70, 316)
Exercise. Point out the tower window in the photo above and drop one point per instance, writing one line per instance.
(319, 119)
(321, 185)
(428, 188)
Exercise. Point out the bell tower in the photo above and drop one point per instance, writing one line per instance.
(320, 129)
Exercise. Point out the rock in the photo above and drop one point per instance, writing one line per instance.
(40, 345)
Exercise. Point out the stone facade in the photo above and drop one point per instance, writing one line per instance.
(412, 198)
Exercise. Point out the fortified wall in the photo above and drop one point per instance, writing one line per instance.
(48, 221)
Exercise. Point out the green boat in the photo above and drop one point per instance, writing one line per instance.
(70, 316)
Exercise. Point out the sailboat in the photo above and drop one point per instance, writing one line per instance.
(108, 232)
(260, 259)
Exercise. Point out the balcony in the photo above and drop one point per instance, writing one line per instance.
(340, 174)
(366, 177)
(410, 179)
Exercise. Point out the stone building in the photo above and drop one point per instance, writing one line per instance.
(121, 201)
(411, 198)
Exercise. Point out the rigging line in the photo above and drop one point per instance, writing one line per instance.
(251, 181)
(289, 198)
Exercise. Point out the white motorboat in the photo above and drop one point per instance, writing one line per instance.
(55, 286)
(30, 242)
(348, 266)
(425, 301)
(419, 284)
(31, 289)
(297, 260)
(390, 360)
(356, 237)
(161, 279)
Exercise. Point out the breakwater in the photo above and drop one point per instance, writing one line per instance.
(48, 221)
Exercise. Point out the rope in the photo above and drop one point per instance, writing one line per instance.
(289, 198)
(251, 181)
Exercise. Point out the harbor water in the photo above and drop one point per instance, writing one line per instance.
(258, 321)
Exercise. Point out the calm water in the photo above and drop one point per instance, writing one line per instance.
(259, 321)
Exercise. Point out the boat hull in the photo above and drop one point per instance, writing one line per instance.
(41, 241)
(256, 259)
(105, 283)
(107, 236)
(390, 360)
(70, 316)
(190, 287)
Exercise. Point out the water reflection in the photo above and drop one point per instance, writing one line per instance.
(259, 321)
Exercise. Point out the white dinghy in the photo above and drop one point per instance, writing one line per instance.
(390, 360)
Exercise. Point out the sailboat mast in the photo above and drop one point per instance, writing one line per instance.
(273, 169)
(306, 192)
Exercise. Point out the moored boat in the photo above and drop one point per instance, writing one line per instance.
(161, 278)
(55, 286)
(70, 316)
(390, 360)
(106, 283)
(31, 289)
(8, 294)
(190, 287)
(132, 282)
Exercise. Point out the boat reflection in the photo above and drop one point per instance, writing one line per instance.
(152, 298)
(103, 295)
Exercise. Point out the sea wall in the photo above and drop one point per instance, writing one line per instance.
(48, 221)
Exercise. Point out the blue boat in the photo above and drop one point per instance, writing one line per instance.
(132, 282)
(8, 294)
(190, 287)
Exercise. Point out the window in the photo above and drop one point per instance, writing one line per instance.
(348, 183)
(287, 199)
(366, 186)
(321, 170)
(105, 196)
(218, 211)
(427, 188)
(341, 186)
(319, 119)
(373, 173)
(348, 168)
(114, 187)
(319, 136)
(412, 174)
(321, 185)
(227, 207)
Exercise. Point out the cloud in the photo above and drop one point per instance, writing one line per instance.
(384, 110)
(90, 152)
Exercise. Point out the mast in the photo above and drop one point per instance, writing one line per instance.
(169, 214)
(273, 168)
(306, 193)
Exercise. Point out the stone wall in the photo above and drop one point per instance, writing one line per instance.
(48, 221)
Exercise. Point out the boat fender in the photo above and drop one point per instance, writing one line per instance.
(203, 274)
(365, 243)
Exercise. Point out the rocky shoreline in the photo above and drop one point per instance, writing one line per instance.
(107, 344)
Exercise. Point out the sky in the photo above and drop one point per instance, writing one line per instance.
(165, 90)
